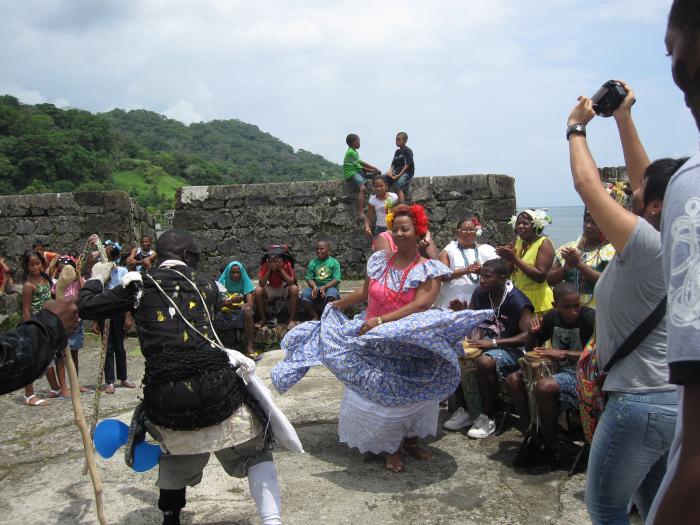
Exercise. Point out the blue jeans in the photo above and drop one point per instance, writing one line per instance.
(332, 294)
(506, 360)
(401, 184)
(629, 454)
(359, 179)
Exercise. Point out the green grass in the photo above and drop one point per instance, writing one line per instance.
(134, 181)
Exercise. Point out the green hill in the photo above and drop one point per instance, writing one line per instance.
(45, 149)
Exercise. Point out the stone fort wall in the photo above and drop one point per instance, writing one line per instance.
(238, 221)
(66, 220)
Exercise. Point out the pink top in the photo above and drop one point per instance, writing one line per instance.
(381, 300)
(391, 288)
(389, 237)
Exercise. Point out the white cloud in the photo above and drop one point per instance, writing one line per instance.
(479, 86)
(183, 111)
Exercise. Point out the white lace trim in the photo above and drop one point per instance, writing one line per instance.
(375, 428)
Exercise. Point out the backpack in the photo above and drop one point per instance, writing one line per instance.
(590, 378)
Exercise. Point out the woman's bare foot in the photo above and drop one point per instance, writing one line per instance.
(413, 450)
(393, 462)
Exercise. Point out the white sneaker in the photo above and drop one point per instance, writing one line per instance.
(460, 419)
(483, 427)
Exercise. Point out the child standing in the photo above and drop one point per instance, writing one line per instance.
(356, 172)
(379, 204)
(402, 168)
(323, 277)
(35, 292)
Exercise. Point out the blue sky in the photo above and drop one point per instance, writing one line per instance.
(480, 87)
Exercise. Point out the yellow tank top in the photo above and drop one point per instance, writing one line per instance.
(540, 294)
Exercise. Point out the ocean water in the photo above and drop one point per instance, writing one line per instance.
(567, 223)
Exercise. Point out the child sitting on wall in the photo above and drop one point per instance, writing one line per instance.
(323, 277)
(356, 172)
(402, 168)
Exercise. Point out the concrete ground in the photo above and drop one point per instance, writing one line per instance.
(41, 459)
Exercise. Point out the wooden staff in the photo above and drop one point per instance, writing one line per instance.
(94, 239)
(68, 276)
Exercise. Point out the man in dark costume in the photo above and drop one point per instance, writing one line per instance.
(194, 401)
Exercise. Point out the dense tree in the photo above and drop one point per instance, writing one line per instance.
(45, 148)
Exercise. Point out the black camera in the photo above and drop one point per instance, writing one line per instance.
(608, 98)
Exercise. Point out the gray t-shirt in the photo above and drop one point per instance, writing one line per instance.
(680, 232)
(681, 247)
(629, 289)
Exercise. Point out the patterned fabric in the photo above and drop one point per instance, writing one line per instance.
(428, 269)
(589, 387)
(405, 361)
(40, 294)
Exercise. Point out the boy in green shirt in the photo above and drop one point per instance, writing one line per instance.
(356, 172)
(323, 278)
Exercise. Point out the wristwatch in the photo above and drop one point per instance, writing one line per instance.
(494, 343)
(379, 321)
(576, 128)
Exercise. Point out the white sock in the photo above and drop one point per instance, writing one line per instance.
(265, 489)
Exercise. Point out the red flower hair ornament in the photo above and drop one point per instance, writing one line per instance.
(417, 214)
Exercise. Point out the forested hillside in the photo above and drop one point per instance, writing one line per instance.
(47, 149)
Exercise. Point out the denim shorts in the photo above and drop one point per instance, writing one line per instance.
(379, 229)
(402, 182)
(506, 360)
(331, 293)
(77, 340)
(359, 179)
(566, 379)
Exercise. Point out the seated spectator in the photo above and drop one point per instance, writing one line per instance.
(568, 327)
(464, 256)
(357, 172)
(143, 257)
(323, 277)
(379, 205)
(6, 283)
(502, 339)
(237, 286)
(530, 258)
(276, 280)
(402, 168)
(581, 262)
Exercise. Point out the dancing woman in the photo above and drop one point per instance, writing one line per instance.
(398, 359)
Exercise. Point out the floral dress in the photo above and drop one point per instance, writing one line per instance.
(395, 374)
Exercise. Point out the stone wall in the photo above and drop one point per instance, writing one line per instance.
(237, 221)
(66, 220)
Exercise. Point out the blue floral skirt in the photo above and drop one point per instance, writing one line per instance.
(397, 363)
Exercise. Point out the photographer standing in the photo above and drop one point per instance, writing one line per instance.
(677, 501)
(629, 450)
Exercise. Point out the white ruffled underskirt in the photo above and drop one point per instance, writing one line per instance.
(375, 428)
